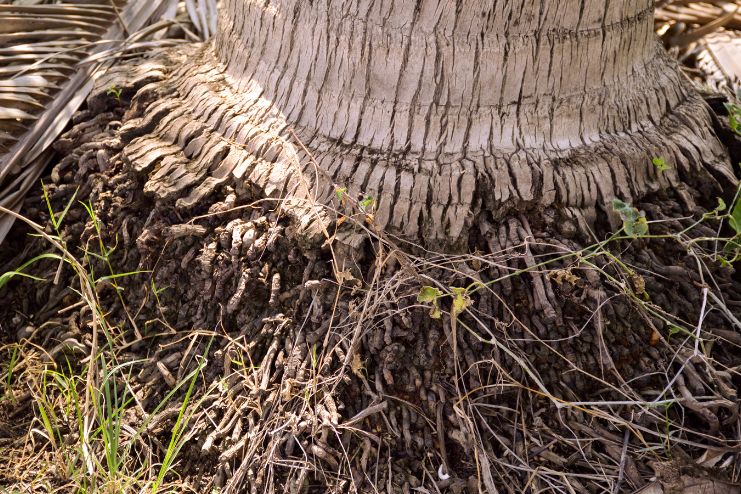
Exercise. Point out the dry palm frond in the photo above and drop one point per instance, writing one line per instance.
(42, 82)
(722, 56)
(699, 13)
(705, 37)
(203, 16)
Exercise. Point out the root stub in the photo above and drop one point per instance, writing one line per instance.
(565, 364)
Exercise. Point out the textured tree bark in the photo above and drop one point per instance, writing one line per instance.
(443, 112)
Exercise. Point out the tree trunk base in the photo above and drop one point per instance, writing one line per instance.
(334, 377)
(197, 133)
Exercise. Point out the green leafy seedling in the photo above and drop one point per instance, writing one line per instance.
(660, 164)
(366, 203)
(722, 206)
(461, 300)
(115, 92)
(634, 222)
(430, 295)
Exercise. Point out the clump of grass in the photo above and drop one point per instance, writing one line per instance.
(81, 428)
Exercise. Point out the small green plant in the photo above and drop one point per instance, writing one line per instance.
(431, 295)
(9, 275)
(634, 221)
(47, 413)
(729, 247)
(660, 164)
(56, 223)
(115, 92)
(461, 300)
(81, 410)
(734, 113)
(111, 404)
(14, 352)
(366, 203)
(178, 438)
(675, 330)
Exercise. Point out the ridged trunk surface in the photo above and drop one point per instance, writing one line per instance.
(440, 111)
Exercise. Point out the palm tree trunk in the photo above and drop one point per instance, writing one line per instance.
(445, 113)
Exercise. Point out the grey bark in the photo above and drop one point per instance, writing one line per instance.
(446, 113)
